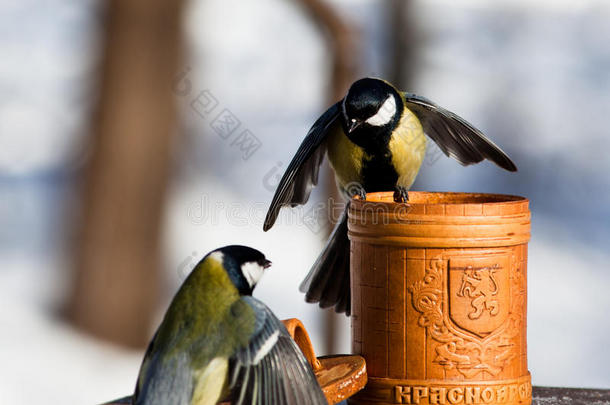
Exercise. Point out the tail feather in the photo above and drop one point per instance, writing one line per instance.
(328, 281)
(338, 284)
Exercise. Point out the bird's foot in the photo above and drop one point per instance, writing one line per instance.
(356, 189)
(401, 195)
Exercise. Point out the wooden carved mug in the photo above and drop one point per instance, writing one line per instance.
(439, 298)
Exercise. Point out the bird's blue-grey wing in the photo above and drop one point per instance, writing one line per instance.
(302, 172)
(163, 379)
(454, 135)
(272, 368)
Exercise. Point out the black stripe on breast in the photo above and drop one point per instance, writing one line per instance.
(378, 173)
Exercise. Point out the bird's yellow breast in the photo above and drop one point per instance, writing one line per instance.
(211, 382)
(345, 157)
(408, 148)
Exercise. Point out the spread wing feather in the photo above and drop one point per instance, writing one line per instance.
(455, 136)
(272, 369)
(302, 172)
(168, 381)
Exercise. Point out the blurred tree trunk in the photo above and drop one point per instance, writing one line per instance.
(401, 43)
(342, 39)
(117, 267)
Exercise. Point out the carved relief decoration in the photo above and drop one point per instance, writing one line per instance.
(469, 314)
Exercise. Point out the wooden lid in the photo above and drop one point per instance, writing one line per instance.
(440, 220)
(339, 376)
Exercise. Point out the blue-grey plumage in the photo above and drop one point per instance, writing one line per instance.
(375, 138)
(217, 342)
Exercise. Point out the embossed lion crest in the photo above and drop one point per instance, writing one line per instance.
(481, 287)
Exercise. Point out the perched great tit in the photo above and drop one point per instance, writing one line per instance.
(216, 342)
(375, 140)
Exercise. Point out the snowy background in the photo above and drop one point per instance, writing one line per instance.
(536, 79)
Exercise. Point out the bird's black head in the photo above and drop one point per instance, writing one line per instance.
(371, 110)
(244, 266)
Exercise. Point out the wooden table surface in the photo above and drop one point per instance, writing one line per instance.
(572, 396)
(543, 396)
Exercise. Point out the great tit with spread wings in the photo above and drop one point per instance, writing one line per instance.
(216, 342)
(375, 138)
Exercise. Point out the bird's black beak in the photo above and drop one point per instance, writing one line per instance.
(266, 264)
(353, 124)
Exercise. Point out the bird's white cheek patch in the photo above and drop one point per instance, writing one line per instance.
(385, 113)
(252, 271)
